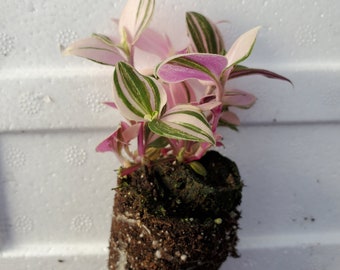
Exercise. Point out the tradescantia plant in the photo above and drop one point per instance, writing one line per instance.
(173, 108)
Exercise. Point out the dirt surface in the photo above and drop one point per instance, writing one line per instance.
(170, 217)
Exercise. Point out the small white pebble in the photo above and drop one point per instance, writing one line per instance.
(184, 257)
(158, 254)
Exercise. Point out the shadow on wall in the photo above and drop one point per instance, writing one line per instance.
(5, 224)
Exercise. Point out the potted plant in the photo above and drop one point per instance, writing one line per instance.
(176, 200)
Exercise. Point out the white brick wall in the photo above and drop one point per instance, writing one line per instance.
(55, 190)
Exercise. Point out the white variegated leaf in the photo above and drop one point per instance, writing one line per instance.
(183, 122)
(135, 18)
(242, 47)
(98, 48)
(137, 97)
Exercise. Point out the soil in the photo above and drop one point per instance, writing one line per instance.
(169, 217)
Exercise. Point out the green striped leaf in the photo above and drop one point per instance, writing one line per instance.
(205, 36)
(138, 97)
(183, 122)
(135, 18)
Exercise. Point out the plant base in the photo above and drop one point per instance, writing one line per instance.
(170, 217)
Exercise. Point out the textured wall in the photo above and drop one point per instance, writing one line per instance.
(55, 191)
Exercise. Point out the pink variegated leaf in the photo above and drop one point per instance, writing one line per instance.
(119, 142)
(242, 47)
(111, 104)
(216, 113)
(113, 144)
(212, 110)
(153, 42)
(97, 48)
(200, 152)
(129, 170)
(238, 98)
(131, 132)
(135, 17)
(122, 136)
(179, 93)
(183, 122)
(207, 98)
(196, 150)
(229, 118)
(239, 71)
(201, 66)
(140, 141)
(208, 106)
(110, 143)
